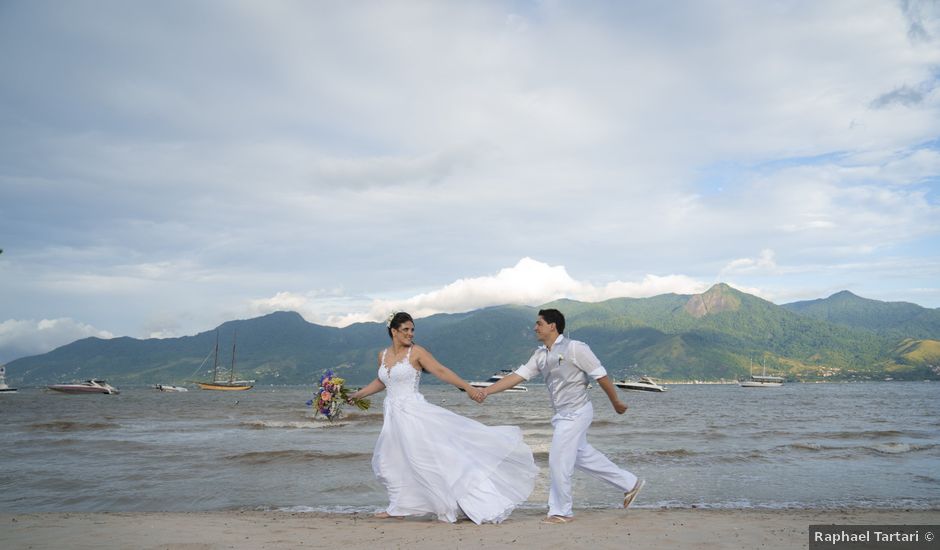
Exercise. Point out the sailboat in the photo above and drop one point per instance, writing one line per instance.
(761, 380)
(3, 381)
(219, 382)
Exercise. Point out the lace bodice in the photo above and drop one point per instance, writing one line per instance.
(400, 379)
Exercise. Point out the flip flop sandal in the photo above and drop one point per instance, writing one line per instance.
(630, 495)
(557, 520)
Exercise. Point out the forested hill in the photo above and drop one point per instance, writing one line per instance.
(714, 335)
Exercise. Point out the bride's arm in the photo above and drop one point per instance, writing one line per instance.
(427, 362)
(374, 387)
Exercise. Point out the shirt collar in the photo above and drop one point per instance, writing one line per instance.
(557, 341)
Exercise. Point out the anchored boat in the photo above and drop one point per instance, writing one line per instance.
(645, 383)
(3, 381)
(88, 386)
(496, 377)
(219, 382)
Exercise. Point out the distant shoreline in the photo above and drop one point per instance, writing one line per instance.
(435, 383)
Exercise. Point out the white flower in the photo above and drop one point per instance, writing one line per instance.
(388, 322)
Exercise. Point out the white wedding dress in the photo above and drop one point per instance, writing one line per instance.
(434, 461)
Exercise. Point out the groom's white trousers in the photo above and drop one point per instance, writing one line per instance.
(571, 450)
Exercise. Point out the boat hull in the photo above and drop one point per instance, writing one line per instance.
(496, 378)
(640, 387)
(223, 387)
(81, 389)
(514, 389)
(753, 384)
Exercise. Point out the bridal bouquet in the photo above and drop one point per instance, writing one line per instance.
(332, 395)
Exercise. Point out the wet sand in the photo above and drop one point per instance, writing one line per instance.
(595, 529)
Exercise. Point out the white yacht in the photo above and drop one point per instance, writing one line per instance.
(3, 381)
(645, 383)
(169, 388)
(496, 378)
(88, 386)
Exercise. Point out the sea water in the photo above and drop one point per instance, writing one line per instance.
(868, 445)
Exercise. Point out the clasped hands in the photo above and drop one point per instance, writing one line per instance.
(476, 394)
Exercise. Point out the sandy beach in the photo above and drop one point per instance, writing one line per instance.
(637, 528)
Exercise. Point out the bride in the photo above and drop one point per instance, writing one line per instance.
(434, 461)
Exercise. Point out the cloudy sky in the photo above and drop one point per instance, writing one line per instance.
(167, 166)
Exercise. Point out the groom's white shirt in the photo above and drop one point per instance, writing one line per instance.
(566, 368)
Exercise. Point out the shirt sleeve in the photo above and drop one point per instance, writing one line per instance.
(584, 359)
(531, 369)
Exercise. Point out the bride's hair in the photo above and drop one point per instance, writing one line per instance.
(398, 320)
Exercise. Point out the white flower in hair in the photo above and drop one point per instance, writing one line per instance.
(388, 322)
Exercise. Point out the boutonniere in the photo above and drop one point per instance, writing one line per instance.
(560, 359)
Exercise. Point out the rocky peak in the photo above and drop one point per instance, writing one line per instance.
(720, 297)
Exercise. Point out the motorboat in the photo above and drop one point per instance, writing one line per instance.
(169, 388)
(3, 381)
(88, 386)
(645, 383)
(496, 377)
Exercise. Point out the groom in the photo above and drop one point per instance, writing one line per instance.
(566, 365)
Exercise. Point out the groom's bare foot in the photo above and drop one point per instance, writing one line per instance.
(386, 515)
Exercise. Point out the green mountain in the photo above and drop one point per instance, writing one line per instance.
(717, 334)
(897, 318)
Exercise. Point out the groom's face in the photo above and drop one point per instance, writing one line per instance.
(543, 329)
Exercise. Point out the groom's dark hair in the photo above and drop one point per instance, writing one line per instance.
(554, 316)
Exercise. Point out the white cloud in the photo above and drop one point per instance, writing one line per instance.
(158, 180)
(282, 301)
(529, 282)
(22, 337)
(765, 261)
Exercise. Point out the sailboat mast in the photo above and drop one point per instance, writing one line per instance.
(215, 366)
(231, 377)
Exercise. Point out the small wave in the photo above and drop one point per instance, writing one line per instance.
(293, 456)
(364, 417)
(601, 423)
(898, 448)
(893, 448)
(327, 509)
(350, 488)
(869, 434)
(674, 453)
(68, 426)
(809, 447)
(544, 424)
(292, 424)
